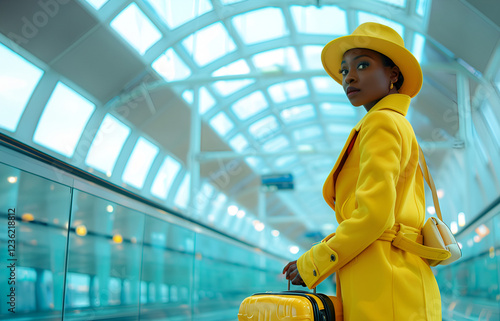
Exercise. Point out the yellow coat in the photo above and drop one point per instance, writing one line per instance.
(379, 187)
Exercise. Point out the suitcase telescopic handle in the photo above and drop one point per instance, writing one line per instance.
(314, 290)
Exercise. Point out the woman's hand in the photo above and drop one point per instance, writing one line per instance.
(292, 273)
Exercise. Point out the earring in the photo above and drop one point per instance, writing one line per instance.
(392, 86)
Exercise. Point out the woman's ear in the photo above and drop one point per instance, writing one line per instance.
(394, 74)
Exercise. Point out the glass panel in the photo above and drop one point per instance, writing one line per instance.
(188, 96)
(106, 246)
(230, 1)
(97, 4)
(339, 129)
(165, 177)
(182, 196)
(264, 127)
(139, 163)
(256, 164)
(421, 7)
(18, 79)
(276, 144)
(297, 113)
(307, 133)
(328, 20)
(221, 123)
(250, 105)
(107, 145)
(239, 67)
(63, 120)
(170, 66)
(337, 110)
(326, 85)
(167, 267)
(312, 56)
(399, 3)
(207, 101)
(176, 13)
(289, 90)
(228, 87)
(251, 28)
(492, 122)
(282, 58)
(418, 46)
(285, 161)
(368, 17)
(209, 44)
(204, 197)
(238, 143)
(35, 216)
(136, 28)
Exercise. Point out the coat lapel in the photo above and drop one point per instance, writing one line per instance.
(395, 102)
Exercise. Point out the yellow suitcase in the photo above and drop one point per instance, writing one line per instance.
(290, 306)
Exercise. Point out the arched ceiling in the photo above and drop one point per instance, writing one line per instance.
(253, 71)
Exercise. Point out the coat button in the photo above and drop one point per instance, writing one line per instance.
(333, 258)
(314, 272)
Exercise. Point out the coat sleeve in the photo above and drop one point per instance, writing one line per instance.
(379, 167)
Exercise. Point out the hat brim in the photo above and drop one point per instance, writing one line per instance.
(332, 54)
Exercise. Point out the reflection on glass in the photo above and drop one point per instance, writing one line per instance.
(101, 271)
(38, 257)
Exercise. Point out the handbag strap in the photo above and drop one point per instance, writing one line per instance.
(430, 181)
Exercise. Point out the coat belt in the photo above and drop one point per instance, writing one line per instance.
(410, 239)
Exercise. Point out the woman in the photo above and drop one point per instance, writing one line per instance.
(375, 188)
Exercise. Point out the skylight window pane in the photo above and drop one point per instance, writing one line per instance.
(282, 58)
(107, 145)
(289, 90)
(176, 13)
(230, 1)
(209, 44)
(399, 3)
(165, 177)
(264, 127)
(307, 133)
(326, 85)
(238, 143)
(492, 122)
(297, 113)
(139, 163)
(170, 66)
(312, 56)
(228, 87)
(250, 105)
(239, 67)
(421, 7)
(252, 28)
(188, 96)
(368, 17)
(337, 110)
(18, 79)
(63, 120)
(207, 101)
(182, 197)
(327, 20)
(339, 129)
(221, 123)
(97, 4)
(256, 164)
(204, 196)
(276, 144)
(418, 46)
(285, 161)
(133, 25)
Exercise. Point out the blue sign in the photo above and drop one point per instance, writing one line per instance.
(275, 182)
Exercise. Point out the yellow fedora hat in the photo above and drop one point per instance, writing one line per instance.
(377, 37)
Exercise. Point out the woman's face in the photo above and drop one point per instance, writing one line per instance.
(365, 78)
